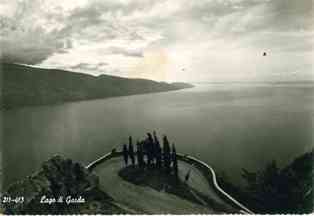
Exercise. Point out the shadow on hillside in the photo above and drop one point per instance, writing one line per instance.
(158, 180)
(169, 183)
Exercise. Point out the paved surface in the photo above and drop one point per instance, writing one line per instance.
(147, 200)
(200, 183)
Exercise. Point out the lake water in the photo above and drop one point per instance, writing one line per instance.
(229, 126)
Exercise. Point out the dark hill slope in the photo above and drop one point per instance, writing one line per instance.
(24, 85)
(58, 181)
(274, 190)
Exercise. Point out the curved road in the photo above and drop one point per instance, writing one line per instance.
(144, 199)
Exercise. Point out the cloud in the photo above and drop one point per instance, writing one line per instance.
(91, 68)
(26, 36)
(30, 46)
(83, 66)
(80, 34)
(87, 66)
(125, 52)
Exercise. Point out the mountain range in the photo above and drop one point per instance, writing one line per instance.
(25, 85)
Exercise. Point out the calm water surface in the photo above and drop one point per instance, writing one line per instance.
(230, 126)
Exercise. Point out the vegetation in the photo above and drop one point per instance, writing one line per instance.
(156, 157)
(157, 167)
(275, 190)
(61, 186)
(158, 180)
(24, 85)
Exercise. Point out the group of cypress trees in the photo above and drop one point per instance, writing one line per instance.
(150, 154)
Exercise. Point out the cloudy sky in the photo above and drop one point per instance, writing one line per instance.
(168, 40)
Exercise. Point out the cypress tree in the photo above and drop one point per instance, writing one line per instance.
(152, 147)
(125, 154)
(158, 151)
(167, 156)
(131, 151)
(150, 153)
(139, 153)
(174, 160)
(156, 141)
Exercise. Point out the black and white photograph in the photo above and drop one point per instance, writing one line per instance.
(152, 107)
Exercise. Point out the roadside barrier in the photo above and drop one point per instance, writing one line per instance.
(188, 159)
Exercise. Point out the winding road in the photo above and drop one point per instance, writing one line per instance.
(136, 198)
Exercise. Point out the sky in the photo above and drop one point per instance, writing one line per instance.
(164, 40)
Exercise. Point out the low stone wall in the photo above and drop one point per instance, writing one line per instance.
(211, 176)
(104, 158)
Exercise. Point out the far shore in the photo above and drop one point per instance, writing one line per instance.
(29, 86)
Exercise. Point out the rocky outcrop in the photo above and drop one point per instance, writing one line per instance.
(61, 186)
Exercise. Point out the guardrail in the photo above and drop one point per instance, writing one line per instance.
(102, 159)
(185, 158)
(218, 189)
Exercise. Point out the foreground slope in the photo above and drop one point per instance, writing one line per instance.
(106, 190)
(145, 198)
(23, 85)
(60, 186)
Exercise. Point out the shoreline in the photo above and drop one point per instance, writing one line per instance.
(4, 108)
(29, 86)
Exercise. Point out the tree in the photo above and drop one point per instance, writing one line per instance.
(140, 155)
(150, 149)
(157, 151)
(285, 190)
(159, 158)
(264, 185)
(131, 151)
(174, 160)
(156, 141)
(166, 156)
(125, 154)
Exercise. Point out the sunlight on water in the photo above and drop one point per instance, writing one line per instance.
(230, 126)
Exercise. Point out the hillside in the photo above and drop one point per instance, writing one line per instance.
(24, 85)
(274, 190)
(61, 186)
(151, 191)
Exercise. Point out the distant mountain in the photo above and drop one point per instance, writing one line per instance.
(182, 85)
(24, 85)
